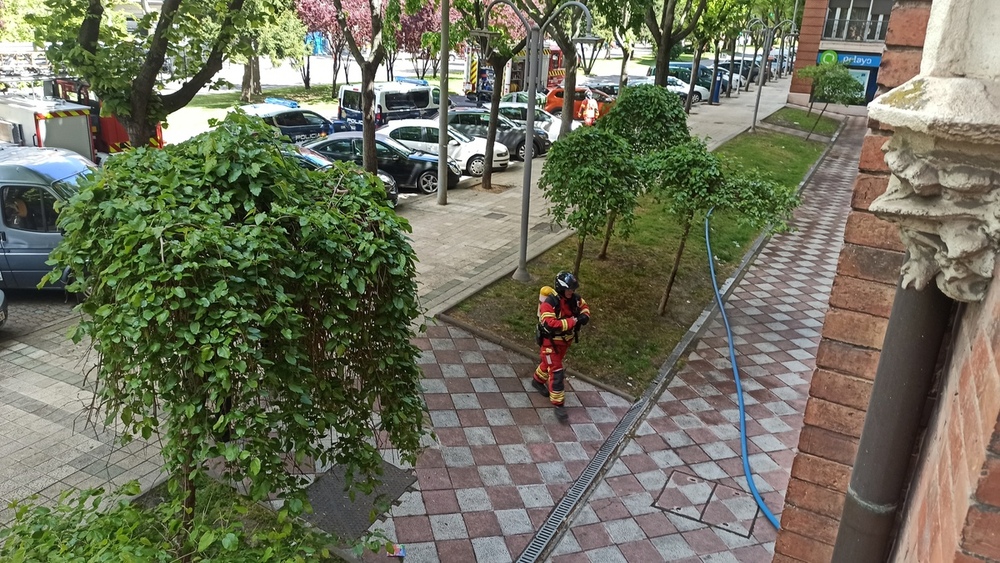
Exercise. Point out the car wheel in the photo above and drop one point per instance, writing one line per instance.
(391, 191)
(476, 166)
(520, 151)
(428, 182)
(696, 97)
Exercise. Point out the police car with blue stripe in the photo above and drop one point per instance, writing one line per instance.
(294, 122)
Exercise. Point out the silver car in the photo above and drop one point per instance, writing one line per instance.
(31, 181)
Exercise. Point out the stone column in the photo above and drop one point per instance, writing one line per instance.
(945, 153)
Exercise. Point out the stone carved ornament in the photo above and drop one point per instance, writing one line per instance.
(941, 195)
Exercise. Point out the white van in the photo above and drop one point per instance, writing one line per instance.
(406, 98)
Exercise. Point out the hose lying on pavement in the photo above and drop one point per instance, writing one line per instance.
(739, 387)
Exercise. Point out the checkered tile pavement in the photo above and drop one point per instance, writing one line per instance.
(677, 493)
(500, 461)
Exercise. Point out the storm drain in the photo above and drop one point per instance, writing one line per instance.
(708, 502)
(336, 513)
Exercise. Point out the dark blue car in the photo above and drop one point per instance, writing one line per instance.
(409, 168)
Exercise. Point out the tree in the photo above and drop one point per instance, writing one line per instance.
(14, 26)
(831, 83)
(649, 118)
(245, 309)
(412, 28)
(379, 36)
(126, 71)
(320, 16)
(671, 26)
(690, 181)
(279, 40)
(623, 20)
(585, 192)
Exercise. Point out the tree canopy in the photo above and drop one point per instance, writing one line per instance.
(245, 309)
(89, 39)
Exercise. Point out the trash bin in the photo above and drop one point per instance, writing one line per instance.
(716, 89)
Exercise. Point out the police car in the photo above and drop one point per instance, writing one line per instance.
(294, 122)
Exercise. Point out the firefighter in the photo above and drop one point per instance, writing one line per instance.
(589, 110)
(561, 313)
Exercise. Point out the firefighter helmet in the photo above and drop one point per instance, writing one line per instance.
(566, 280)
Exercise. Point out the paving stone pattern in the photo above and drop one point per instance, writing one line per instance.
(677, 493)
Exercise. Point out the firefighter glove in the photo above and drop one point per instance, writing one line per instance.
(582, 320)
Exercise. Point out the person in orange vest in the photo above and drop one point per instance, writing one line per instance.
(589, 110)
(561, 313)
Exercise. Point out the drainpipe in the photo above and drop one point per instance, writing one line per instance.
(903, 379)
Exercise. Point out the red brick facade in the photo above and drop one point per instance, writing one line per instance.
(813, 18)
(855, 324)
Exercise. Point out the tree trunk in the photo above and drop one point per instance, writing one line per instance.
(247, 86)
(336, 68)
(753, 61)
(187, 515)
(623, 76)
(579, 257)
(695, 67)
(368, 70)
(140, 132)
(732, 69)
(607, 236)
(817, 118)
(306, 72)
(677, 265)
(347, 79)
(498, 66)
(665, 43)
(255, 88)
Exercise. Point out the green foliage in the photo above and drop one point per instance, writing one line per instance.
(75, 530)
(648, 117)
(833, 83)
(13, 25)
(589, 175)
(245, 308)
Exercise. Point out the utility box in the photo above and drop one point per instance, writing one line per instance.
(50, 123)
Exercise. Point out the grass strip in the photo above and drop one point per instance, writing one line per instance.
(627, 342)
(802, 120)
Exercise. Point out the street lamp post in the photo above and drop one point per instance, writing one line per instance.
(534, 46)
(769, 33)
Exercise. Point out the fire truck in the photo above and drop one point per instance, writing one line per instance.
(109, 135)
(39, 122)
(479, 74)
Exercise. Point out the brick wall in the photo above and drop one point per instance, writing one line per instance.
(855, 324)
(953, 509)
(813, 18)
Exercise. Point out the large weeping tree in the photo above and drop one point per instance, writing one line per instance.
(89, 39)
(247, 312)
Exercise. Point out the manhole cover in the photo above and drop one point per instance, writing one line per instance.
(710, 503)
(335, 512)
(494, 216)
(546, 227)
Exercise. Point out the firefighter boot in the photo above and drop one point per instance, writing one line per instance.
(540, 387)
(561, 413)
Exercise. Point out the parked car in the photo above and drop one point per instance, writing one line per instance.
(554, 101)
(475, 122)
(470, 100)
(682, 88)
(409, 168)
(32, 180)
(522, 98)
(682, 71)
(312, 160)
(294, 122)
(468, 152)
(518, 113)
(612, 89)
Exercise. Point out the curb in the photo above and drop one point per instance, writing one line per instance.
(514, 347)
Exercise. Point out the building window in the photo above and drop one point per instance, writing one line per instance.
(857, 20)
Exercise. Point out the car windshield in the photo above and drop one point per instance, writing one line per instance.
(313, 157)
(66, 187)
(458, 136)
(506, 121)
